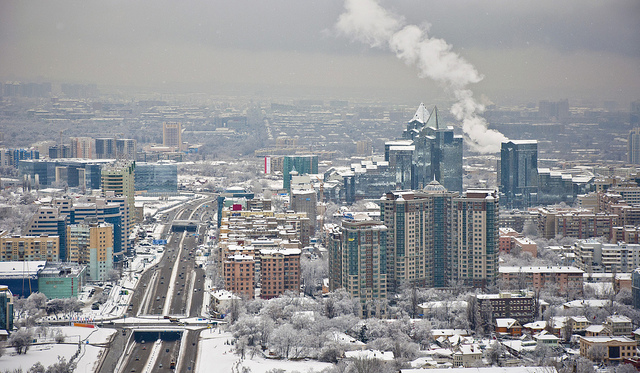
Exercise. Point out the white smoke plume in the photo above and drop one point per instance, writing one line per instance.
(368, 22)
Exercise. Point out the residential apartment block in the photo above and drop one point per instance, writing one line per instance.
(565, 278)
(279, 272)
(28, 248)
(358, 262)
(518, 306)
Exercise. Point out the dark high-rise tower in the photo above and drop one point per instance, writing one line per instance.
(436, 152)
(518, 173)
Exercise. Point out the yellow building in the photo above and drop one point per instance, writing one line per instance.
(607, 349)
(92, 245)
(28, 248)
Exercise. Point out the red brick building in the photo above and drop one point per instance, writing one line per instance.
(279, 272)
(239, 275)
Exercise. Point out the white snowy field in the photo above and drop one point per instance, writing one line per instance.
(46, 350)
(213, 352)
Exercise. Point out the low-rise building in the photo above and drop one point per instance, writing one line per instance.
(566, 278)
(62, 280)
(607, 349)
(221, 301)
(618, 325)
(519, 306)
(595, 331)
(21, 277)
(28, 248)
(546, 339)
(466, 355)
(508, 326)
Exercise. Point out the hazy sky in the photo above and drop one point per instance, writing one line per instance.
(576, 49)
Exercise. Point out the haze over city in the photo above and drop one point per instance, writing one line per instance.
(586, 50)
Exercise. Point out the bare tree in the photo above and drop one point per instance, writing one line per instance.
(21, 340)
(597, 352)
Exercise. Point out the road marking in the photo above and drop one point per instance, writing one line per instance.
(153, 356)
(144, 304)
(193, 282)
(174, 274)
(183, 347)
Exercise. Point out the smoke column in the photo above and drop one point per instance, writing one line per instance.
(368, 22)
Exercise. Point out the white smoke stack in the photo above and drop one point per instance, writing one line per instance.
(368, 22)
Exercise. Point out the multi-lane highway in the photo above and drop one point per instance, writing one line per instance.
(171, 290)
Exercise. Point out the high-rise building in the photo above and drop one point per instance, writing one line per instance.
(401, 164)
(92, 245)
(120, 179)
(304, 200)
(302, 164)
(436, 238)
(419, 240)
(172, 134)
(239, 274)
(112, 148)
(633, 146)
(518, 173)
(53, 220)
(476, 241)
(118, 186)
(59, 151)
(279, 272)
(436, 153)
(82, 147)
(126, 149)
(105, 148)
(358, 263)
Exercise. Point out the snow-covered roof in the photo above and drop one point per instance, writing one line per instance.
(605, 339)
(471, 349)
(544, 336)
(536, 325)
(224, 295)
(20, 269)
(369, 354)
(484, 370)
(543, 269)
(506, 322)
(421, 115)
(522, 142)
(455, 304)
(345, 338)
(594, 328)
(579, 319)
(583, 303)
(448, 332)
(281, 251)
(618, 319)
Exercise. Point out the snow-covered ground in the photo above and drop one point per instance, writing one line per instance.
(46, 351)
(213, 352)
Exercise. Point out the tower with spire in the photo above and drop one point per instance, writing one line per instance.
(436, 153)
